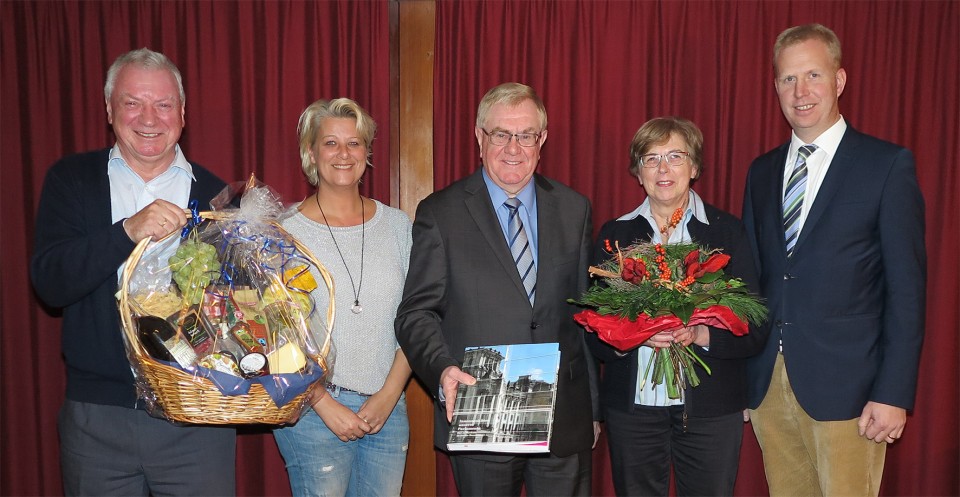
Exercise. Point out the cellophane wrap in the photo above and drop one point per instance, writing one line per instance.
(234, 284)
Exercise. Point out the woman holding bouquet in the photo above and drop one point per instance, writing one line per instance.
(700, 432)
(354, 441)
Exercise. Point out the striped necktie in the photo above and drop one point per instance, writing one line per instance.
(793, 197)
(520, 248)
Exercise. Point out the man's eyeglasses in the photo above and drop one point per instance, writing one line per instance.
(674, 158)
(500, 138)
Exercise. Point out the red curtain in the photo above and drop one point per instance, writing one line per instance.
(249, 69)
(604, 67)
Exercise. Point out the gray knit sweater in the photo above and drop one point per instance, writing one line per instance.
(365, 343)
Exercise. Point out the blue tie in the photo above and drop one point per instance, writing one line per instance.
(520, 248)
(793, 197)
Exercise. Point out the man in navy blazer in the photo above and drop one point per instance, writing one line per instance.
(464, 289)
(846, 296)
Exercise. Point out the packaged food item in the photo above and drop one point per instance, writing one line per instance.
(195, 327)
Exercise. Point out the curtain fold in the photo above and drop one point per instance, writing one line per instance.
(603, 68)
(249, 69)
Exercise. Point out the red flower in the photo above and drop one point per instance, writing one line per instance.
(634, 270)
(713, 264)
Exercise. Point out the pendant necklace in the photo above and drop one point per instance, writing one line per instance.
(672, 222)
(357, 308)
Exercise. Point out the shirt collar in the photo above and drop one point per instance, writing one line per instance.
(179, 161)
(694, 208)
(527, 195)
(828, 141)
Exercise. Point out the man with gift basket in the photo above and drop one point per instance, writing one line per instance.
(94, 208)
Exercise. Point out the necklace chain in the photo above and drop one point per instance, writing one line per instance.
(357, 308)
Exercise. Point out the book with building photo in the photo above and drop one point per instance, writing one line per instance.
(510, 407)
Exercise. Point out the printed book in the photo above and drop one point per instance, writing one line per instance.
(510, 407)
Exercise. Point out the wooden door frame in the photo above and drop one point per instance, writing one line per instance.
(412, 32)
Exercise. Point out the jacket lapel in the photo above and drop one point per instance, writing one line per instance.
(840, 167)
(548, 240)
(482, 211)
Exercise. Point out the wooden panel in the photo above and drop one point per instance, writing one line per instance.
(411, 167)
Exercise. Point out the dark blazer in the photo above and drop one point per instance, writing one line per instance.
(849, 304)
(77, 251)
(463, 290)
(725, 390)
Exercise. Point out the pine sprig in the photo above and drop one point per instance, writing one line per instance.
(656, 295)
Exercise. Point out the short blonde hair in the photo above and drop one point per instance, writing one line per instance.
(659, 130)
(511, 94)
(309, 126)
(800, 34)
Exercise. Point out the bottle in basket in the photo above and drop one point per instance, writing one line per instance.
(284, 354)
(163, 341)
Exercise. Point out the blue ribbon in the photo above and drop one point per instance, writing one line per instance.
(194, 218)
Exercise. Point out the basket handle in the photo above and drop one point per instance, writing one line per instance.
(126, 314)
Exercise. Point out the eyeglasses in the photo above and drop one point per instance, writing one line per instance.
(500, 138)
(673, 158)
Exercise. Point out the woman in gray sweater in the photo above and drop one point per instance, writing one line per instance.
(354, 441)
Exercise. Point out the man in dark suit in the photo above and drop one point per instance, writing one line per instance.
(465, 288)
(838, 231)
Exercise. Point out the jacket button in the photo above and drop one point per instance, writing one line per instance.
(787, 276)
(779, 324)
(534, 325)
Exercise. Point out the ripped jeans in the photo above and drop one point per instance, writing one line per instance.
(319, 464)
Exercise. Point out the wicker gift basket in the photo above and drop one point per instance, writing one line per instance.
(194, 394)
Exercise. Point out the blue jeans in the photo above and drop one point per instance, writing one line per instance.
(320, 464)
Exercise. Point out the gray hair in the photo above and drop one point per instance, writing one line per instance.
(511, 94)
(309, 126)
(146, 59)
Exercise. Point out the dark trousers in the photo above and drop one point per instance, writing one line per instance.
(109, 450)
(644, 443)
(542, 474)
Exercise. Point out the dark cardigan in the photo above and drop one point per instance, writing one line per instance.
(722, 392)
(76, 254)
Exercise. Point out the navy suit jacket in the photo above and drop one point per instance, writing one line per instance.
(463, 289)
(849, 304)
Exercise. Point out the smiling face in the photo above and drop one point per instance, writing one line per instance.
(511, 166)
(339, 153)
(667, 186)
(147, 117)
(809, 85)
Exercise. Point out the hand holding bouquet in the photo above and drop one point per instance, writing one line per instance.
(648, 288)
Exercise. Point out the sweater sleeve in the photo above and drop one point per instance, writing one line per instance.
(76, 250)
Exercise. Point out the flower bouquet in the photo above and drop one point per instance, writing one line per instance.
(648, 288)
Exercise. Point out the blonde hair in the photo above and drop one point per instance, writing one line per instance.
(309, 126)
(800, 34)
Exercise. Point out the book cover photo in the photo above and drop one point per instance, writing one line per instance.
(510, 407)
